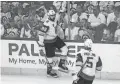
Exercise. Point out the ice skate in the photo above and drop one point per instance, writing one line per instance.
(62, 66)
(52, 74)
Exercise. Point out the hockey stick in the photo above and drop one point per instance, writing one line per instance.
(82, 67)
(78, 73)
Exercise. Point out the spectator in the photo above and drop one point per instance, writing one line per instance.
(6, 26)
(96, 18)
(57, 18)
(29, 24)
(26, 31)
(118, 21)
(118, 18)
(41, 14)
(76, 15)
(117, 35)
(97, 22)
(4, 20)
(84, 32)
(112, 27)
(19, 19)
(79, 15)
(72, 11)
(107, 35)
(117, 3)
(6, 10)
(94, 3)
(78, 37)
(82, 35)
(63, 19)
(57, 4)
(112, 17)
(90, 9)
(110, 6)
(103, 7)
(114, 20)
(87, 3)
(12, 31)
(28, 14)
(73, 31)
(60, 5)
(2, 30)
(25, 5)
(63, 6)
(16, 4)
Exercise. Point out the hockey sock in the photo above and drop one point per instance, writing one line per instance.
(62, 61)
(49, 67)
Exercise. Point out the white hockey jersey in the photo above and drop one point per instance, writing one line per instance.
(90, 63)
(51, 32)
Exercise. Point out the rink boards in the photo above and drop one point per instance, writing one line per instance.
(23, 57)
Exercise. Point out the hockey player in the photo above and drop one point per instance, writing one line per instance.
(51, 42)
(86, 65)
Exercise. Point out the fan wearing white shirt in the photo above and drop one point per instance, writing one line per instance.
(79, 15)
(112, 17)
(117, 35)
(63, 19)
(26, 31)
(57, 4)
(2, 30)
(96, 18)
(97, 21)
(73, 31)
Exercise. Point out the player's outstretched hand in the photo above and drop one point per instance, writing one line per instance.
(75, 81)
(75, 78)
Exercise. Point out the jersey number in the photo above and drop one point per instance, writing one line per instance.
(89, 62)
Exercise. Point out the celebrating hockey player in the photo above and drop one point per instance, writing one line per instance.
(86, 65)
(51, 42)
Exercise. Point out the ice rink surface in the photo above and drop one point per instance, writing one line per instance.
(8, 79)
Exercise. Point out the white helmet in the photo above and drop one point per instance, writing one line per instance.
(51, 12)
(88, 43)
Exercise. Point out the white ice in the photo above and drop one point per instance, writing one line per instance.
(8, 79)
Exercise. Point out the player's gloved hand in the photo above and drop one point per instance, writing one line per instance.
(42, 53)
(75, 78)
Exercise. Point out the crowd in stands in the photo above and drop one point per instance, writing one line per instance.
(97, 20)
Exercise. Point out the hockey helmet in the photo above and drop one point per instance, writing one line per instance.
(51, 12)
(88, 43)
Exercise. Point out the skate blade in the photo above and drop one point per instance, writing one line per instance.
(65, 71)
(53, 76)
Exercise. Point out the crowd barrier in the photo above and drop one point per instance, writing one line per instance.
(25, 54)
